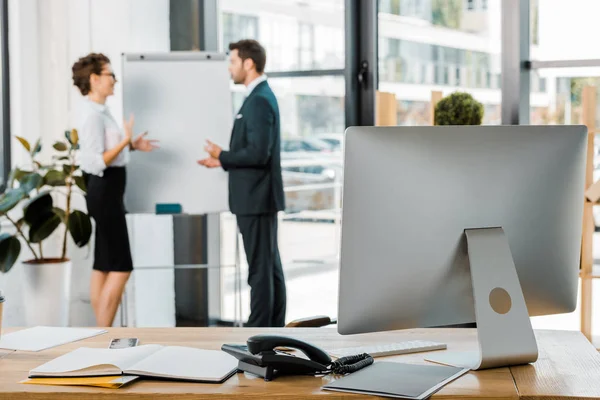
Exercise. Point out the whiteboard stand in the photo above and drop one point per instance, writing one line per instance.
(238, 282)
(181, 99)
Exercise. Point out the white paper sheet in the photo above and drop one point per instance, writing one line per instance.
(45, 337)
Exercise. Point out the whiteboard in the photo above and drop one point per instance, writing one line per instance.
(181, 99)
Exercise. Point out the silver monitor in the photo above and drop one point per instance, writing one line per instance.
(435, 218)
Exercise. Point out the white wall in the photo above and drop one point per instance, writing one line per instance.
(46, 37)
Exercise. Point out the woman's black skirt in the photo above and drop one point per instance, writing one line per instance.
(105, 204)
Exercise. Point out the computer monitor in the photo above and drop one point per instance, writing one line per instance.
(459, 224)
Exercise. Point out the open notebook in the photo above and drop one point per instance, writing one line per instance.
(169, 362)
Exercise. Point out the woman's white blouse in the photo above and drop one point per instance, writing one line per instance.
(98, 132)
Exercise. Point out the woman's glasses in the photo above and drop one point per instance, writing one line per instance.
(109, 74)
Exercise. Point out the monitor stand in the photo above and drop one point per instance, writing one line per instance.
(503, 326)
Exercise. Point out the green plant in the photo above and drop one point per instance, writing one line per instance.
(33, 186)
(458, 108)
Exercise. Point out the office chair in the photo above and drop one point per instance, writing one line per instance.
(311, 322)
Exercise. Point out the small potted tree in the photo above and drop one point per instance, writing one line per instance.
(47, 278)
(458, 108)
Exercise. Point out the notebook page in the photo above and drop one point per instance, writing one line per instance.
(84, 359)
(187, 363)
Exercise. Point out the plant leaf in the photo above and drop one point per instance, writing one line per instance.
(80, 227)
(37, 147)
(67, 169)
(61, 213)
(10, 199)
(68, 136)
(60, 146)
(25, 143)
(74, 139)
(16, 175)
(38, 207)
(43, 227)
(10, 247)
(55, 178)
(80, 182)
(31, 182)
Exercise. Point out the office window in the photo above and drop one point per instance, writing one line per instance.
(542, 86)
(412, 69)
(557, 32)
(470, 4)
(390, 6)
(534, 23)
(410, 62)
(298, 37)
(306, 46)
(320, 114)
(238, 26)
(301, 36)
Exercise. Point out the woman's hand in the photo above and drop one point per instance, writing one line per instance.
(128, 128)
(142, 144)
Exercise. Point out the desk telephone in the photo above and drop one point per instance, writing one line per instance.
(260, 357)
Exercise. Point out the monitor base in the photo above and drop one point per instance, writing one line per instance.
(504, 329)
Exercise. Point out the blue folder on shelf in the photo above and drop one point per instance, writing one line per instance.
(168, 208)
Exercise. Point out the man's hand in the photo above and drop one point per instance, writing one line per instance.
(142, 144)
(212, 149)
(210, 162)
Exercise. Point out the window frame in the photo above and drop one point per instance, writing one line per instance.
(5, 95)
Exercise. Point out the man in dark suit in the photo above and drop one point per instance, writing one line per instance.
(255, 183)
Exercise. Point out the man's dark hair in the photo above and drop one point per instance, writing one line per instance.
(253, 50)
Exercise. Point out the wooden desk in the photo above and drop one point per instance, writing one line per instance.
(568, 367)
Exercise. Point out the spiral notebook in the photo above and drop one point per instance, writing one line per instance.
(397, 380)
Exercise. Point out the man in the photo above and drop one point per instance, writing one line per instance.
(255, 183)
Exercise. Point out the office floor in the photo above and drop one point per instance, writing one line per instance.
(309, 256)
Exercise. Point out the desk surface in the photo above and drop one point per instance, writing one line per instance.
(568, 367)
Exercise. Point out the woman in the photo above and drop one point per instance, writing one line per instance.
(104, 152)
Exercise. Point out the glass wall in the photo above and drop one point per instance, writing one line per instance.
(305, 35)
(300, 37)
(558, 99)
(431, 45)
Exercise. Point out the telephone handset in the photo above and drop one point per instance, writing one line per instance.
(260, 357)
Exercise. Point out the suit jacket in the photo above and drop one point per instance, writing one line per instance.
(254, 160)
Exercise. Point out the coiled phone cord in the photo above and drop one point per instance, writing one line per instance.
(350, 364)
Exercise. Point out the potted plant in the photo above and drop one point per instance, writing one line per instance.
(47, 278)
(458, 108)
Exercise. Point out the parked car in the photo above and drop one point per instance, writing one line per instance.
(336, 140)
(305, 144)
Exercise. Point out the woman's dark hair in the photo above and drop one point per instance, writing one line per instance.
(253, 50)
(85, 67)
